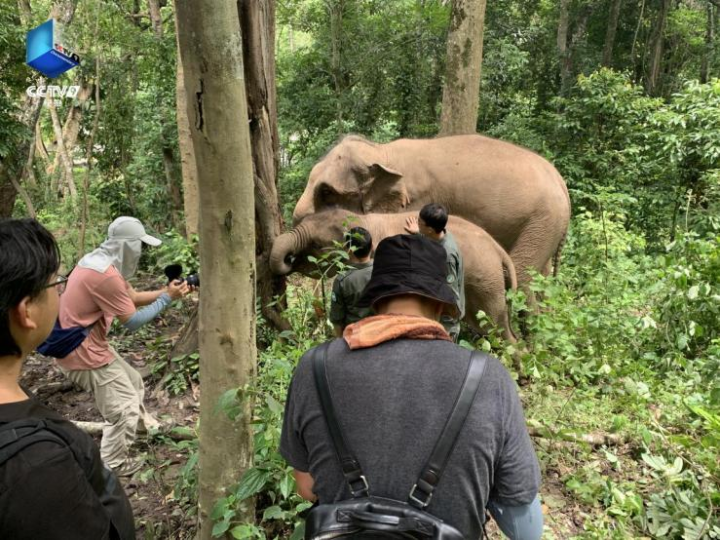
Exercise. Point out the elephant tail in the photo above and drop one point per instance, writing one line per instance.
(556, 255)
(508, 271)
(510, 278)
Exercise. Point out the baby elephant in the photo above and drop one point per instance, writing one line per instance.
(489, 271)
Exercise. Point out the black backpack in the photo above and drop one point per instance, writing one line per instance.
(17, 435)
(364, 516)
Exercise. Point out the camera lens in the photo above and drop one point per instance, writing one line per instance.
(193, 280)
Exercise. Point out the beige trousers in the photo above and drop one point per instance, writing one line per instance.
(119, 392)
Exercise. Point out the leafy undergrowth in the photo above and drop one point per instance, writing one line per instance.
(621, 395)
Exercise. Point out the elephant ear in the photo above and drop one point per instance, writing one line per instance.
(384, 191)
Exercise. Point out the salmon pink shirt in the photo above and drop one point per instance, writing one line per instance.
(89, 297)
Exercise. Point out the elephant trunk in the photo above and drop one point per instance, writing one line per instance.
(285, 248)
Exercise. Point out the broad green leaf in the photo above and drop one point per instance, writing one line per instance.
(251, 483)
(273, 512)
(299, 532)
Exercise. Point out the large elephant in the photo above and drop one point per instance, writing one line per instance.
(489, 271)
(512, 193)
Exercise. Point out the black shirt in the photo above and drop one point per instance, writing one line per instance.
(45, 493)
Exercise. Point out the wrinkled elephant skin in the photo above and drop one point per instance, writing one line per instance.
(489, 271)
(515, 195)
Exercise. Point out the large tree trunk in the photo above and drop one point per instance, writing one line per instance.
(656, 48)
(463, 68)
(187, 158)
(210, 41)
(257, 19)
(611, 31)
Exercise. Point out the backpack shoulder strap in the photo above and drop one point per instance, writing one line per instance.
(422, 491)
(348, 463)
(18, 435)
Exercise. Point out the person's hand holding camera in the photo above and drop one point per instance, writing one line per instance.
(177, 289)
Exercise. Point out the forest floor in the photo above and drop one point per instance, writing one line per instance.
(160, 513)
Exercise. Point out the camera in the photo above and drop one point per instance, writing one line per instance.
(174, 272)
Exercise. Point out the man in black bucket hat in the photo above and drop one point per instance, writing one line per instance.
(410, 265)
(394, 378)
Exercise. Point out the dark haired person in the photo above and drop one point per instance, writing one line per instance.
(431, 223)
(97, 292)
(348, 286)
(53, 484)
(394, 378)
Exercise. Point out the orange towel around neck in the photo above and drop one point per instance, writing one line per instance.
(377, 329)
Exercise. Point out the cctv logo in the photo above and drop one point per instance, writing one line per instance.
(46, 53)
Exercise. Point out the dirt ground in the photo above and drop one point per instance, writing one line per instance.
(157, 512)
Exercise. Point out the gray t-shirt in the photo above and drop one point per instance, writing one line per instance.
(456, 272)
(393, 401)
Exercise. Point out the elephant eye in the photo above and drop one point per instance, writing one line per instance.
(326, 194)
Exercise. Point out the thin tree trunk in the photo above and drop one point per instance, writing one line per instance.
(637, 31)
(611, 31)
(709, 44)
(40, 148)
(257, 19)
(336, 10)
(172, 183)
(656, 48)
(25, 12)
(24, 196)
(68, 181)
(463, 67)
(29, 170)
(71, 127)
(155, 17)
(211, 45)
(187, 157)
(173, 187)
(89, 154)
(562, 45)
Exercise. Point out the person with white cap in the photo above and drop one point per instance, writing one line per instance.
(97, 292)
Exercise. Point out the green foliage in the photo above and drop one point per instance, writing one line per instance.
(270, 478)
(14, 79)
(179, 372)
(175, 249)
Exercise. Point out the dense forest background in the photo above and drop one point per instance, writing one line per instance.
(622, 96)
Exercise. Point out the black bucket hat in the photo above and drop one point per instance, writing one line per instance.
(409, 264)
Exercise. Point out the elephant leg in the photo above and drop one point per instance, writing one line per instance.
(533, 250)
(497, 310)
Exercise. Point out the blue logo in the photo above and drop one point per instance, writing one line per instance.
(46, 53)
